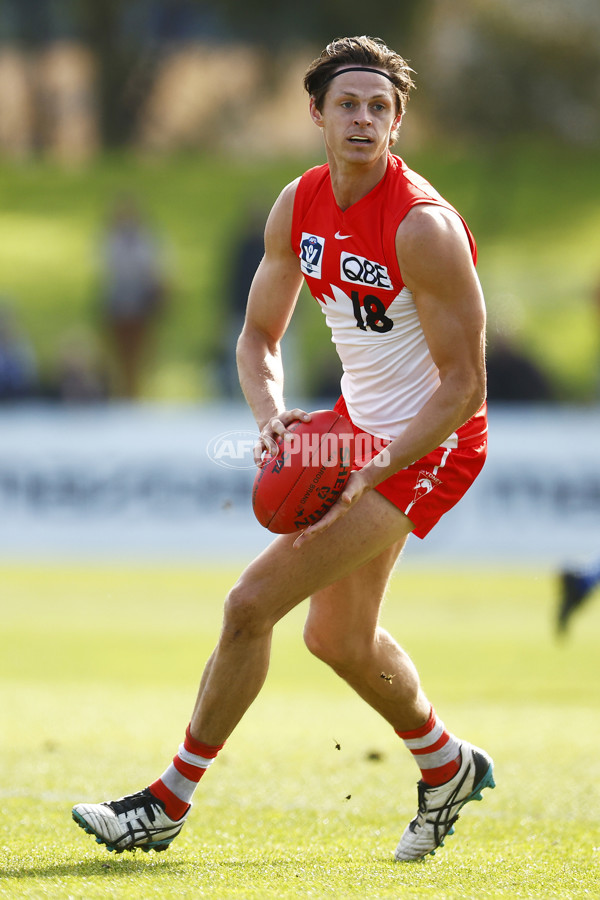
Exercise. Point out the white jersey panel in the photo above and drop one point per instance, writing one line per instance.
(388, 377)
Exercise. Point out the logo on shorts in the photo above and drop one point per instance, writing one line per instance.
(425, 483)
(311, 254)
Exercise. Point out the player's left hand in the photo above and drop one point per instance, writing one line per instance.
(355, 488)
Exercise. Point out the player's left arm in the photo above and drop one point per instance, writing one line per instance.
(435, 259)
(436, 263)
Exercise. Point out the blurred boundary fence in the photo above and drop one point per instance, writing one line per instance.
(157, 484)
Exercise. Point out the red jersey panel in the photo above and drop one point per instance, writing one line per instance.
(348, 259)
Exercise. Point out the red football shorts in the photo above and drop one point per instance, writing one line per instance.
(431, 486)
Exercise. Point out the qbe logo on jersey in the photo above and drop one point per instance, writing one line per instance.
(359, 270)
(311, 254)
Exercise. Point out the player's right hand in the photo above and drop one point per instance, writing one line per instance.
(276, 429)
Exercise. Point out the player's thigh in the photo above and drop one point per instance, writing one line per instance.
(282, 576)
(351, 605)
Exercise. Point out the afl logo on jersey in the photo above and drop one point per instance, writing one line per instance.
(359, 270)
(311, 254)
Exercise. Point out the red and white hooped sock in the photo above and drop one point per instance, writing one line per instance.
(435, 750)
(177, 784)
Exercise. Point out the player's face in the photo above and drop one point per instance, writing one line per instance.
(357, 116)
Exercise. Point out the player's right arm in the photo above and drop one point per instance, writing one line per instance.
(271, 302)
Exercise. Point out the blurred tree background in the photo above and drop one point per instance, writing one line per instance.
(196, 109)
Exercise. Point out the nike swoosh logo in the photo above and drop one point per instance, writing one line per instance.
(341, 237)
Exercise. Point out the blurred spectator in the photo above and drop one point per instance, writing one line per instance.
(596, 309)
(18, 371)
(575, 588)
(326, 374)
(514, 377)
(134, 293)
(80, 376)
(248, 250)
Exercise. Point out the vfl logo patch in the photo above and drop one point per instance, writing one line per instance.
(359, 270)
(311, 254)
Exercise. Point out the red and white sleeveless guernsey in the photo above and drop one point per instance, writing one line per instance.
(348, 259)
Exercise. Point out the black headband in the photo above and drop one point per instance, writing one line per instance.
(359, 69)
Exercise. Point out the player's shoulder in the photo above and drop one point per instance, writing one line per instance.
(427, 224)
(279, 222)
(285, 200)
(278, 229)
(430, 219)
(305, 182)
(431, 241)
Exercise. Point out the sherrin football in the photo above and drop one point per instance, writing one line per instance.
(297, 486)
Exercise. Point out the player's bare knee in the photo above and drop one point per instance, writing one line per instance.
(243, 615)
(315, 643)
(340, 652)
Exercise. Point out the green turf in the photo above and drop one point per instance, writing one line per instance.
(532, 207)
(98, 669)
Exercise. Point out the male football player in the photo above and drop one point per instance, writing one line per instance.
(392, 266)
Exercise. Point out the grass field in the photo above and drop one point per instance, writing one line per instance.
(98, 669)
(532, 207)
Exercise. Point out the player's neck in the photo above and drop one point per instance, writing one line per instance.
(351, 181)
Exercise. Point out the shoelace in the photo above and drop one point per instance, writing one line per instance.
(440, 828)
(142, 800)
(422, 789)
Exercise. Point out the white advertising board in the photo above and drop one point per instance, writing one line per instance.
(161, 483)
